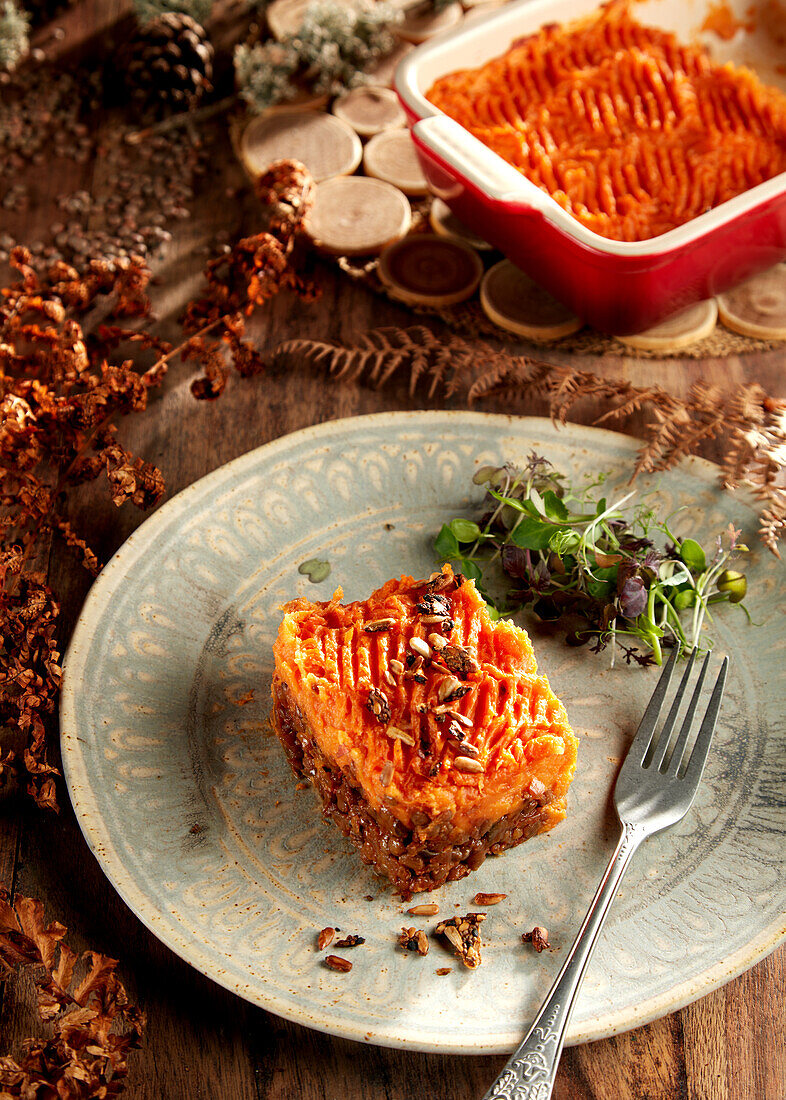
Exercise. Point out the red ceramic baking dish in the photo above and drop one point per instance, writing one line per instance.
(616, 286)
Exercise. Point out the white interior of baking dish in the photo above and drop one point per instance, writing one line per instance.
(760, 48)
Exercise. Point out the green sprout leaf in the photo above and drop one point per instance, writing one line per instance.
(693, 555)
(465, 530)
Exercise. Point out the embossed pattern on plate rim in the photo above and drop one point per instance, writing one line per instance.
(99, 842)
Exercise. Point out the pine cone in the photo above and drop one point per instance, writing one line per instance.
(169, 65)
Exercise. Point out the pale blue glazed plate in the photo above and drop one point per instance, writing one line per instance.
(185, 798)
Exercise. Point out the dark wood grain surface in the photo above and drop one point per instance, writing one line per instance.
(202, 1041)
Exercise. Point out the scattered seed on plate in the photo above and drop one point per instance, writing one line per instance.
(414, 939)
(538, 937)
(325, 938)
(442, 970)
(350, 941)
(335, 962)
(427, 910)
(488, 899)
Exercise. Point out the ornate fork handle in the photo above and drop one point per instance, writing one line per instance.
(530, 1073)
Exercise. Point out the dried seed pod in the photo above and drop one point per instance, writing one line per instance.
(488, 899)
(325, 938)
(335, 962)
(468, 765)
(427, 910)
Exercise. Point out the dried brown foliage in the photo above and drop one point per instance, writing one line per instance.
(92, 1025)
(751, 425)
(59, 400)
(244, 278)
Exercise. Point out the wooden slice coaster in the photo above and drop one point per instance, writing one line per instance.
(692, 324)
(357, 216)
(285, 17)
(384, 70)
(758, 307)
(370, 110)
(515, 302)
(391, 156)
(446, 224)
(326, 145)
(419, 28)
(429, 270)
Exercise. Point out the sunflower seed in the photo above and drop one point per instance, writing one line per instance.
(378, 625)
(417, 645)
(467, 764)
(447, 687)
(400, 735)
(424, 910)
(437, 641)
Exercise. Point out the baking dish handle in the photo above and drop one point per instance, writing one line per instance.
(473, 162)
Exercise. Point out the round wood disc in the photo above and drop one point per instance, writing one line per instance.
(446, 224)
(383, 71)
(391, 156)
(325, 144)
(515, 302)
(419, 28)
(430, 270)
(356, 216)
(758, 307)
(285, 17)
(692, 324)
(370, 110)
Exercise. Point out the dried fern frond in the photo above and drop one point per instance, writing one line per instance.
(382, 353)
(751, 424)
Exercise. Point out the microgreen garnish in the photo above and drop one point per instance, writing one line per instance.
(575, 556)
(315, 570)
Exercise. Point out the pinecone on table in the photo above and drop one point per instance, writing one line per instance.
(169, 65)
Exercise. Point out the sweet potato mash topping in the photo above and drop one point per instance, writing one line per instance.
(431, 707)
(629, 131)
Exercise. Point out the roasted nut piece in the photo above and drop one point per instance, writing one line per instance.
(432, 604)
(325, 938)
(350, 941)
(335, 962)
(459, 660)
(463, 933)
(538, 937)
(488, 899)
(414, 939)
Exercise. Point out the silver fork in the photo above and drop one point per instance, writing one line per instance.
(652, 792)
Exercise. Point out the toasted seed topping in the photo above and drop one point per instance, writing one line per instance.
(351, 941)
(390, 678)
(437, 641)
(488, 899)
(335, 962)
(432, 604)
(536, 787)
(427, 910)
(468, 749)
(447, 687)
(378, 705)
(459, 660)
(414, 939)
(418, 677)
(459, 717)
(325, 938)
(396, 666)
(443, 970)
(438, 581)
(429, 619)
(378, 625)
(400, 735)
(417, 645)
(464, 935)
(468, 765)
(538, 937)
(386, 774)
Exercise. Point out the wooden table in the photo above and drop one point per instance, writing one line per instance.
(203, 1042)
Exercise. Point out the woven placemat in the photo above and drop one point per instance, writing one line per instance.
(468, 319)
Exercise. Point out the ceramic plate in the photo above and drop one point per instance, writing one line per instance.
(185, 798)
